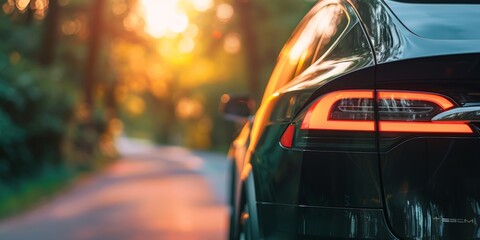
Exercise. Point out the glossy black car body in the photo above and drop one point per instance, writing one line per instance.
(375, 177)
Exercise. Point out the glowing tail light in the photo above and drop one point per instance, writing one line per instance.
(398, 111)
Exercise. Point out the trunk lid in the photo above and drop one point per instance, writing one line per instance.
(431, 181)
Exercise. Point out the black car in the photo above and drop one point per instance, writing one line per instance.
(369, 127)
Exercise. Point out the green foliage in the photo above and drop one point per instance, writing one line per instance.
(45, 137)
(35, 106)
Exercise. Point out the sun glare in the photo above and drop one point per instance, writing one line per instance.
(163, 17)
(202, 5)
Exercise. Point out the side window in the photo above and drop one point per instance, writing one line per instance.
(311, 40)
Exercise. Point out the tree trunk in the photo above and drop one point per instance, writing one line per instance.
(247, 24)
(49, 38)
(95, 30)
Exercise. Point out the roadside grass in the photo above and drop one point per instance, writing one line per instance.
(49, 181)
(27, 193)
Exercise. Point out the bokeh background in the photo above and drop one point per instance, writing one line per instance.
(76, 74)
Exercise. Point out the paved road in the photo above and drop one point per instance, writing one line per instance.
(151, 193)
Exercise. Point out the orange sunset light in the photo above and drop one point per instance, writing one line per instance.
(163, 17)
(166, 17)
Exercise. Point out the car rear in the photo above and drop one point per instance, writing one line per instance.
(382, 142)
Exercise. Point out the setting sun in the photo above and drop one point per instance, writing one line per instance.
(163, 17)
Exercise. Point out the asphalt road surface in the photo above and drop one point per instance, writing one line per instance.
(151, 193)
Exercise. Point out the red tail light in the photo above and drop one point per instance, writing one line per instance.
(399, 111)
(287, 137)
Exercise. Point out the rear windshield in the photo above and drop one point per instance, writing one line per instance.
(448, 21)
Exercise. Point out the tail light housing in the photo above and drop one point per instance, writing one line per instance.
(398, 112)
